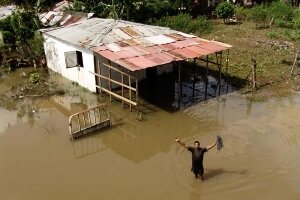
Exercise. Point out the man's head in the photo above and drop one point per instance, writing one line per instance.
(197, 144)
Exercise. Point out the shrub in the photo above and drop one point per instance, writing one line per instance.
(273, 34)
(36, 45)
(242, 13)
(280, 10)
(101, 10)
(8, 37)
(34, 77)
(185, 23)
(180, 22)
(225, 10)
(296, 19)
(259, 14)
(282, 23)
(201, 25)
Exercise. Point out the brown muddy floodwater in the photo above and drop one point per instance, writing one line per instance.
(140, 160)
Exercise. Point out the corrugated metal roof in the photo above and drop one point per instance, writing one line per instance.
(135, 46)
(62, 18)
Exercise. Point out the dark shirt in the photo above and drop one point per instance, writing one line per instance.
(197, 158)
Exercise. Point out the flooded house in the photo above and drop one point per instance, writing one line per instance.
(114, 56)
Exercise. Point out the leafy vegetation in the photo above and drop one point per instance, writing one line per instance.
(34, 77)
(225, 10)
(185, 23)
(259, 14)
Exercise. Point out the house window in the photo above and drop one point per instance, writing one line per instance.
(73, 59)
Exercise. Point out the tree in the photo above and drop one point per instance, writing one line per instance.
(225, 10)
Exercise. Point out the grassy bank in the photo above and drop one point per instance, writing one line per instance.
(274, 56)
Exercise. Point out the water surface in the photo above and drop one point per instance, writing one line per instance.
(139, 159)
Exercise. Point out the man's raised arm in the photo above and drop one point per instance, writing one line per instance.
(181, 143)
(211, 146)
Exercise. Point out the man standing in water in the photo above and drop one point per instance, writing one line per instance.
(197, 156)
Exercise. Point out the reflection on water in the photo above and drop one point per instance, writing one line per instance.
(140, 160)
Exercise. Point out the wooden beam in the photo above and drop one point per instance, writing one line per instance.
(109, 66)
(194, 77)
(206, 80)
(209, 61)
(116, 82)
(119, 97)
(100, 80)
(137, 91)
(122, 78)
(295, 63)
(109, 80)
(220, 72)
(130, 93)
(179, 84)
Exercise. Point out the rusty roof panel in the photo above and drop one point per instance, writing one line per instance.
(120, 35)
(160, 39)
(159, 59)
(127, 53)
(187, 53)
(142, 62)
(110, 55)
(153, 49)
(176, 36)
(114, 47)
(130, 42)
(200, 51)
(129, 30)
(144, 42)
(129, 65)
(211, 46)
(123, 44)
(168, 47)
(178, 56)
(101, 48)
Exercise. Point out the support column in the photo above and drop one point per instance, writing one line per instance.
(109, 81)
(100, 80)
(206, 78)
(226, 71)
(179, 84)
(130, 96)
(137, 92)
(220, 72)
(122, 80)
(194, 78)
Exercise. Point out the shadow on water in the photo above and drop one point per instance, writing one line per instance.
(163, 91)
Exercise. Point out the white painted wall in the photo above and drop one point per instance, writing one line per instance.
(55, 49)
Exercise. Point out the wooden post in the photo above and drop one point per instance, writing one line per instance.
(194, 77)
(122, 78)
(297, 59)
(179, 83)
(206, 78)
(130, 93)
(137, 91)
(109, 82)
(220, 72)
(254, 83)
(100, 80)
(226, 71)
